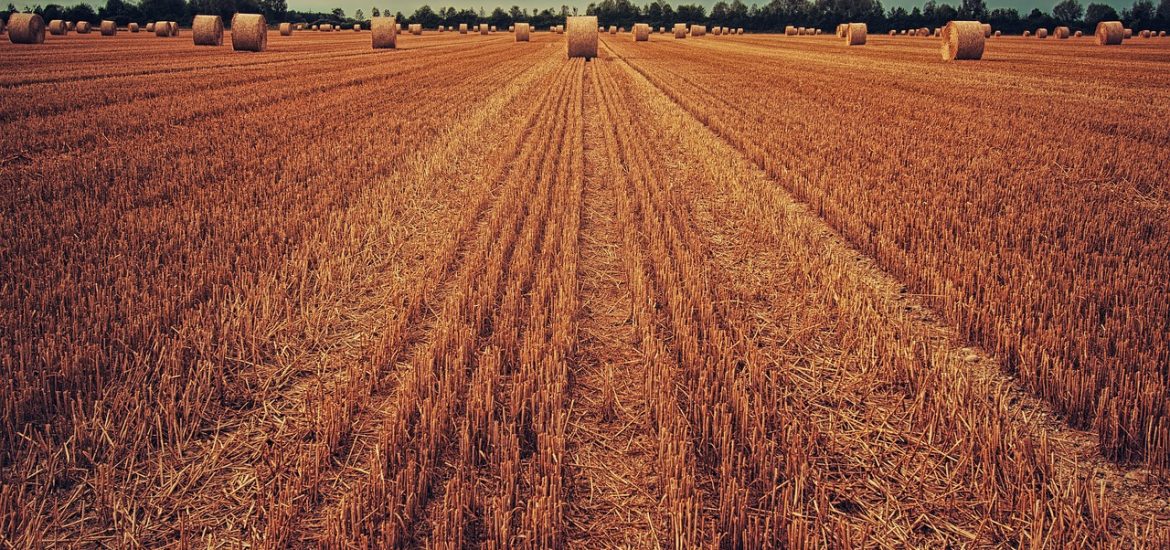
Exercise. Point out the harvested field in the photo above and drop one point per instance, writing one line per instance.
(625, 302)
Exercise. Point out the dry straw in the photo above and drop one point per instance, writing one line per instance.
(963, 40)
(1128, 34)
(998, 33)
(923, 32)
(249, 32)
(841, 30)
(1041, 33)
(150, 27)
(986, 30)
(357, 27)
(416, 29)
(1110, 33)
(26, 28)
(582, 40)
(612, 29)
(71, 25)
(207, 30)
(83, 27)
(483, 29)
(1078, 34)
(300, 26)
(789, 30)
(661, 30)
(57, 27)
(108, 28)
(325, 27)
(680, 30)
(463, 28)
(286, 29)
(641, 32)
(1027, 34)
(384, 32)
(174, 27)
(1061, 33)
(698, 30)
(1145, 34)
(855, 34)
(522, 32)
(717, 31)
(132, 27)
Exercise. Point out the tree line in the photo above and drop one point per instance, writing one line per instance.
(770, 17)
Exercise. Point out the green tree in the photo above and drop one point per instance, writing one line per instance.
(374, 12)
(1068, 11)
(1097, 13)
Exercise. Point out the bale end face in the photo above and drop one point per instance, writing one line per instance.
(108, 28)
(1110, 33)
(680, 30)
(57, 27)
(641, 32)
(963, 40)
(384, 32)
(26, 28)
(249, 32)
(207, 30)
(522, 30)
(855, 34)
(286, 29)
(582, 40)
(132, 27)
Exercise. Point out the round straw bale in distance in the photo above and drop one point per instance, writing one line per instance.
(1161, 34)
(924, 32)
(484, 29)
(132, 27)
(492, 28)
(384, 32)
(357, 27)
(300, 26)
(1041, 33)
(71, 24)
(415, 28)
(1145, 34)
(174, 26)
(1061, 33)
(1110, 33)
(249, 32)
(789, 30)
(522, 31)
(841, 29)
(26, 28)
(1078, 34)
(286, 29)
(57, 27)
(680, 30)
(463, 28)
(613, 29)
(641, 32)
(582, 39)
(855, 34)
(1128, 34)
(998, 33)
(893, 33)
(1027, 34)
(83, 27)
(108, 28)
(698, 30)
(207, 30)
(963, 40)
(717, 31)
(150, 27)
(986, 30)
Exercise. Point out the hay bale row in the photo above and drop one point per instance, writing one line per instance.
(26, 28)
(641, 32)
(207, 30)
(855, 34)
(384, 32)
(963, 40)
(582, 40)
(522, 31)
(249, 32)
(1110, 33)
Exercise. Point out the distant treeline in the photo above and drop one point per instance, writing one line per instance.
(770, 17)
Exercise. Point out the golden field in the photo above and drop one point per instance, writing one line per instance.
(747, 291)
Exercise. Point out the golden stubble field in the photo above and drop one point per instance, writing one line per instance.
(729, 291)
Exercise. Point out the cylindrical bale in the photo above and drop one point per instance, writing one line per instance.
(511, 28)
(1041, 33)
(484, 29)
(641, 32)
(207, 30)
(998, 33)
(300, 26)
(613, 29)
(855, 34)
(463, 28)
(739, 30)
(1161, 34)
(1110, 33)
(841, 29)
(1061, 33)
(893, 33)
(108, 28)
(492, 28)
(789, 30)
(71, 25)
(801, 31)
(986, 30)
(384, 32)
(698, 30)
(937, 32)
(661, 30)
(83, 27)
(680, 30)
(1078, 34)
(582, 40)
(1145, 34)
(416, 29)
(1128, 34)
(132, 27)
(249, 32)
(174, 26)
(26, 28)
(57, 27)
(1027, 34)
(717, 31)
(286, 29)
(924, 32)
(963, 40)
(522, 31)
(150, 27)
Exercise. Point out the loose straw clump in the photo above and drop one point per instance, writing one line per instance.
(641, 32)
(963, 40)
(1110, 33)
(582, 39)
(855, 34)
(207, 30)
(384, 32)
(249, 32)
(26, 28)
(680, 30)
(522, 32)
(108, 28)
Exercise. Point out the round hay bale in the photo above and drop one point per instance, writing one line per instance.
(698, 30)
(57, 27)
(1145, 34)
(174, 26)
(680, 30)
(1061, 33)
(415, 28)
(998, 33)
(71, 25)
(1027, 34)
(1128, 34)
(108, 28)
(789, 30)
(132, 27)
(249, 32)
(1078, 34)
(150, 27)
(661, 30)
(511, 28)
(286, 29)
(841, 29)
(739, 30)
(384, 32)
(717, 31)
(924, 32)
(1161, 34)
(641, 32)
(522, 31)
(986, 30)
(937, 32)
(855, 34)
(26, 28)
(83, 27)
(1041, 33)
(963, 40)
(357, 27)
(484, 29)
(207, 30)
(1109, 33)
(612, 29)
(893, 33)
(463, 28)
(300, 26)
(582, 40)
